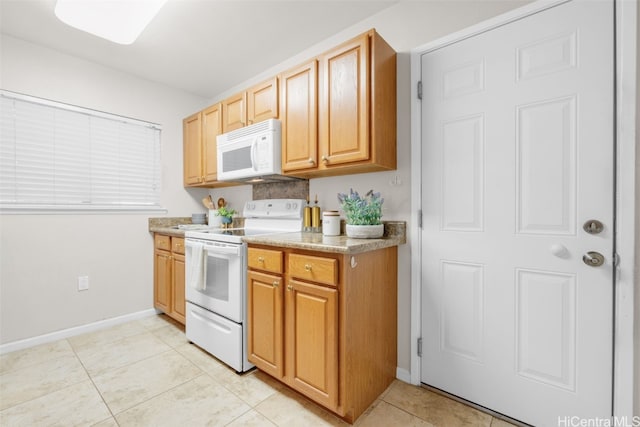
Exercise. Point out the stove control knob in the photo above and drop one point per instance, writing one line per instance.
(295, 206)
(288, 206)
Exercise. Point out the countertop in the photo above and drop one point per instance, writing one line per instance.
(394, 235)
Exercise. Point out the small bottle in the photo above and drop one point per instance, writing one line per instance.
(306, 218)
(315, 217)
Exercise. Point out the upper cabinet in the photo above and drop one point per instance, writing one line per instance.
(192, 146)
(252, 106)
(234, 112)
(200, 148)
(262, 101)
(299, 116)
(355, 111)
(338, 114)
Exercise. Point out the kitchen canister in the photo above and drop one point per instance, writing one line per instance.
(331, 223)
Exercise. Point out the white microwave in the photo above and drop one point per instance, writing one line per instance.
(251, 153)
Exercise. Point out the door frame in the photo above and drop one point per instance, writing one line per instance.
(626, 16)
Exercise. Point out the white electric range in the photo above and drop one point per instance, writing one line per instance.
(216, 278)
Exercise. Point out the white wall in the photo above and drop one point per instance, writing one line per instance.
(404, 26)
(41, 256)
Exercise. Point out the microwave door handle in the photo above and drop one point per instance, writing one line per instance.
(254, 148)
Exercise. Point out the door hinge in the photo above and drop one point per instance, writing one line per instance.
(420, 218)
(419, 90)
(419, 347)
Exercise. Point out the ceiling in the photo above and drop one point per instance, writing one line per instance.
(201, 46)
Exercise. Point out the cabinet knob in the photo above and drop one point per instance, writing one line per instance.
(260, 259)
(311, 161)
(325, 158)
(307, 267)
(289, 288)
(276, 283)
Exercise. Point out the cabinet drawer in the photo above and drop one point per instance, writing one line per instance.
(315, 269)
(162, 242)
(177, 245)
(265, 259)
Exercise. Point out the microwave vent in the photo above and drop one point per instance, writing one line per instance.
(267, 125)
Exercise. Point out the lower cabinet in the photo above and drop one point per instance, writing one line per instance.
(169, 276)
(324, 323)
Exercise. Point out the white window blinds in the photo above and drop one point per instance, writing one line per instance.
(55, 156)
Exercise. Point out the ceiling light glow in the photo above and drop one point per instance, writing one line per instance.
(119, 21)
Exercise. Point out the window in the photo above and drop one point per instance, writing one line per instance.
(59, 157)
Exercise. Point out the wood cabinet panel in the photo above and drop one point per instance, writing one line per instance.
(178, 302)
(339, 345)
(262, 101)
(192, 164)
(162, 242)
(177, 245)
(312, 268)
(265, 315)
(162, 280)
(265, 259)
(312, 341)
(299, 116)
(211, 128)
(234, 113)
(344, 103)
(169, 276)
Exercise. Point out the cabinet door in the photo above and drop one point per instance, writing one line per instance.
(178, 305)
(312, 341)
(234, 113)
(344, 103)
(262, 101)
(192, 147)
(162, 281)
(299, 113)
(264, 317)
(211, 128)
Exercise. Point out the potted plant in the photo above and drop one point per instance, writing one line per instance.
(226, 215)
(363, 214)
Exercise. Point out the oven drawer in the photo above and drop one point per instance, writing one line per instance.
(313, 268)
(219, 336)
(265, 259)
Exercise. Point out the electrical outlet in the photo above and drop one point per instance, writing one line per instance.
(83, 283)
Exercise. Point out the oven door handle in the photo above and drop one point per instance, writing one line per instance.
(230, 250)
(223, 250)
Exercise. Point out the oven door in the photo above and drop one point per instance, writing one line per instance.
(224, 269)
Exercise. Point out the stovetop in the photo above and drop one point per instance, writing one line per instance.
(268, 216)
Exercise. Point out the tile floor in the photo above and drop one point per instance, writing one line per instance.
(145, 373)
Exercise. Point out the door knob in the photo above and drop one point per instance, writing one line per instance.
(593, 259)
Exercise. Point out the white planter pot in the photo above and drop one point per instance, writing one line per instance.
(365, 231)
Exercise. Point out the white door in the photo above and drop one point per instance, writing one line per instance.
(517, 146)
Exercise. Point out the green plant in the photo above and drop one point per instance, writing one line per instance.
(365, 210)
(228, 213)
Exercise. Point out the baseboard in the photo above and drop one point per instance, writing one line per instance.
(403, 375)
(77, 330)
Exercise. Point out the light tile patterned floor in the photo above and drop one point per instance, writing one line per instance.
(145, 373)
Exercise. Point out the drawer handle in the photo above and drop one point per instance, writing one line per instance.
(276, 283)
(260, 259)
(307, 267)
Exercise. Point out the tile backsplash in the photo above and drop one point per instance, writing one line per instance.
(281, 190)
